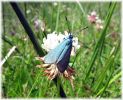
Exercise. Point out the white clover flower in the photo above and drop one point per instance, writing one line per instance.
(54, 39)
(61, 37)
(51, 42)
(99, 24)
(75, 43)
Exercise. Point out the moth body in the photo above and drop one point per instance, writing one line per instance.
(61, 54)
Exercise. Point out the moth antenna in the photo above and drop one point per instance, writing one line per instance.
(68, 25)
(84, 28)
(81, 29)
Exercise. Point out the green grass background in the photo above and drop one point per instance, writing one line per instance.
(97, 66)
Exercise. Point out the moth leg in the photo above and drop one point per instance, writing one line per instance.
(43, 66)
(53, 71)
(40, 58)
(39, 66)
(68, 74)
(49, 68)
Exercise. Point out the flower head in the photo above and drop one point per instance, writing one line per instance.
(12, 32)
(58, 66)
(51, 39)
(51, 71)
(39, 24)
(99, 24)
(92, 17)
(56, 39)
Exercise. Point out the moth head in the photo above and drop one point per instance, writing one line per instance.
(70, 36)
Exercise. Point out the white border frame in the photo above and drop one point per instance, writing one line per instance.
(1, 30)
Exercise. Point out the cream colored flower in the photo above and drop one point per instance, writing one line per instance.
(51, 42)
(54, 39)
(99, 24)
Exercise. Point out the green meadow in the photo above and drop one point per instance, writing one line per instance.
(97, 62)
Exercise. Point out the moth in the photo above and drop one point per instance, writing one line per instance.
(61, 54)
(56, 62)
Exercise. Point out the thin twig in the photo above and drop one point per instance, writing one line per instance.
(9, 42)
(8, 55)
(27, 28)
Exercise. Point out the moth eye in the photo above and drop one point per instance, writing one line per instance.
(59, 41)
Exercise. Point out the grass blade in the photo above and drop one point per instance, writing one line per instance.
(57, 19)
(101, 40)
(109, 63)
(110, 82)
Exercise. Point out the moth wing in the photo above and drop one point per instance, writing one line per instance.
(64, 58)
(54, 54)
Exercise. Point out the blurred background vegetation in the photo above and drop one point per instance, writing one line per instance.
(21, 78)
